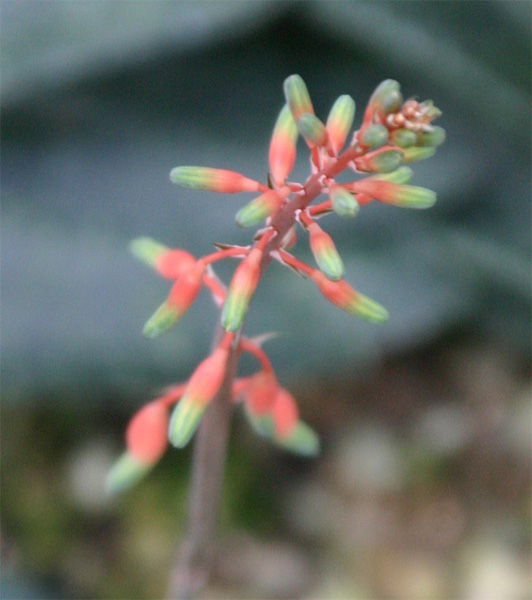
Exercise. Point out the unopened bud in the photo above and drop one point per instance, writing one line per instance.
(374, 136)
(297, 96)
(240, 291)
(282, 153)
(146, 433)
(434, 137)
(406, 196)
(259, 209)
(342, 202)
(400, 175)
(346, 298)
(201, 389)
(415, 153)
(382, 160)
(312, 129)
(325, 253)
(182, 295)
(213, 180)
(404, 138)
(339, 121)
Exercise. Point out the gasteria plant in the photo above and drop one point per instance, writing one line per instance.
(393, 134)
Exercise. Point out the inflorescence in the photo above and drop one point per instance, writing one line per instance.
(393, 133)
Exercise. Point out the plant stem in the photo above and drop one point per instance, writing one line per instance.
(195, 559)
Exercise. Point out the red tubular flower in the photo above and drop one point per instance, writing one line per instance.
(182, 295)
(346, 298)
(240, 291)
(201, 389)
(146, 434)
(214, 180)
(339, 121)
(169, 263)
(260, 392)
(406, 196)
(282, 153)
(285, 414)
(324, 251)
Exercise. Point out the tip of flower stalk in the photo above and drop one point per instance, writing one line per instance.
(301, 440)
(162, 320)
(297, 96)
(125, 473)
(387, 97)
(184, 421)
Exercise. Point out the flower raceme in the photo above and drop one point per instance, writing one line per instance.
(393, 133)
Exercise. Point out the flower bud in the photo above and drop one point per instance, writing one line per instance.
(282, 154)
(240, 291)
(382, 160)
(434, 137)
(415, 153)
(301, 440)
(339, 121)
(374, 136)
(406, 196)
(125, 473)
(146, 433)
(169, 263)
(182, 295)
(385, 99)
(404, 138)
(284, 413)
(346, 298)
(400, 175)
(342, 202)
(325, 253)
(260, 392)
(213, 180)
(201, 389)
(259, 209)
(312, 129)
(297, 96)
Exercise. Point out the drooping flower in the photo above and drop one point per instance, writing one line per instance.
(203, 385)
(181, 296)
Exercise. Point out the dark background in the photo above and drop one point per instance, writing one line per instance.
(99, 101)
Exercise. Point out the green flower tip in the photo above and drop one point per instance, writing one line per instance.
(312, 129)
(162, 320)
(301, 440)
(125, 473)
(297, 96)
(400, 175)
(374, 136)
(368, 310)
(184, 421)
(434, 137)
(415, 153)
(147, 250)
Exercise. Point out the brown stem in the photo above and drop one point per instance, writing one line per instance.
(195, 559)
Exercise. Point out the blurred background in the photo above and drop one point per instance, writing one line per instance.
(423, 486)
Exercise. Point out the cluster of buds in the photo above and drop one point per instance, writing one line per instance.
(393, 134)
